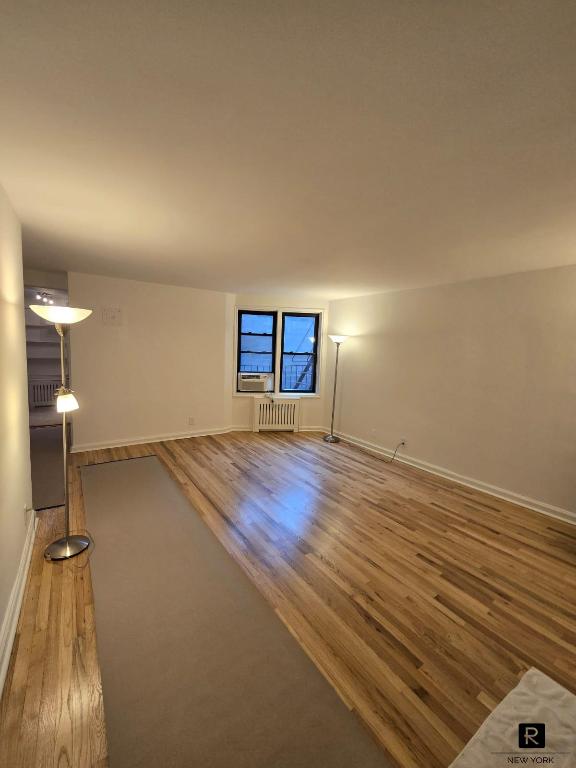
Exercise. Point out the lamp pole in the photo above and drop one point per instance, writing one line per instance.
(61, 330)
(331, 438)
(70, 545)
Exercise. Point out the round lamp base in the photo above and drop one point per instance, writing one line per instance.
(69, 546)
(331, 439)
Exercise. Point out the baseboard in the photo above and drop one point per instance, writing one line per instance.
(171, 436)
(478, 485)
(155, 438)
(10, 623)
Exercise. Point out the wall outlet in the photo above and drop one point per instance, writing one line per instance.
(191, 421)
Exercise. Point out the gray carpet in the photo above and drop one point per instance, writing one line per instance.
(197, 669)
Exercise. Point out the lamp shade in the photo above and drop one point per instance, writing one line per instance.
(337, 339)
(60, 315)
(66, 402)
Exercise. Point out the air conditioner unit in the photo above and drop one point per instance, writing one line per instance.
(255, 382)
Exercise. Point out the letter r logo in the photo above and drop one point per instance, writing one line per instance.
(532, 735)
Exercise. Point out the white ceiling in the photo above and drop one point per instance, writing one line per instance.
(58, 296)
(327, 147)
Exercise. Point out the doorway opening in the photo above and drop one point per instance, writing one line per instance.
(43, 357)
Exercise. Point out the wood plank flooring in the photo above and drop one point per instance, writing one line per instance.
(422, 601)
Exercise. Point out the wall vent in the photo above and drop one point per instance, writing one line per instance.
(276, 414)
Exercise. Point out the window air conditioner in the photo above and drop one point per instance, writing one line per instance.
(255, 382)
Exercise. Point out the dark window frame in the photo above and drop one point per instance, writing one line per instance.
(269, 313)
(314, 353)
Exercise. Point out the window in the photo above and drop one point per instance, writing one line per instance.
(297, 334)
(256, 342)
(299, 352)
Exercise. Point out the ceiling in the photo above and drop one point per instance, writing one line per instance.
(333, 148)
(57, 295)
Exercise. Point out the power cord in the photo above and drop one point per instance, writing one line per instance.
(90, 551)
(400, 444)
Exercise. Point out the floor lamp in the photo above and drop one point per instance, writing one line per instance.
(338, 340)
(62, 317)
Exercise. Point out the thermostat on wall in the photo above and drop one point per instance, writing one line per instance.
(111, 316)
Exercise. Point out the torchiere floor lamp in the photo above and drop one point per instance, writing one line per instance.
(62, 317)
(338, 340)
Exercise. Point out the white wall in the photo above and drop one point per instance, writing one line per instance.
(165, 362)
(479, 377)
(15, 485)
(172, 357)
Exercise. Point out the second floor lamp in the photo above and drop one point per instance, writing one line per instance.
(69, 545)
(338, 340)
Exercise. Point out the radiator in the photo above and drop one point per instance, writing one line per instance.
(276, 414)
(42, 393)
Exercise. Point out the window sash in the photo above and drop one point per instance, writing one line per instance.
(269, 355)
(251, 343)
(313, 354)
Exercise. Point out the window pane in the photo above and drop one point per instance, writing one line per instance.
(299, 333)
(298, 373)
(256, 344)
(256, 323)
(299, 348)
(250, 363)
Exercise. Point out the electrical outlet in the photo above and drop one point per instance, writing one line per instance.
(191, 421)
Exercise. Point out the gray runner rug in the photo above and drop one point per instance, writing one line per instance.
(197, 669)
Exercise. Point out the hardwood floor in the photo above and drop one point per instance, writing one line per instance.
(422, 601)
(51, 712)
